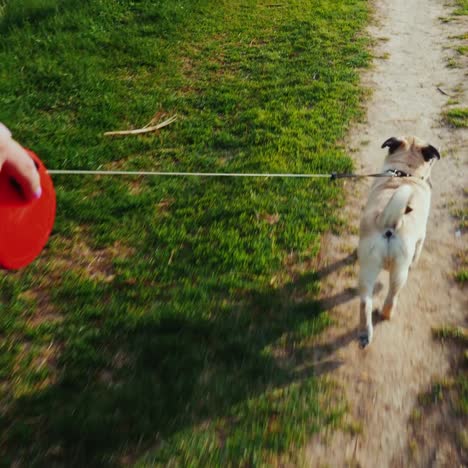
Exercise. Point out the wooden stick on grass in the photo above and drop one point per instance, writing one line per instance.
(145, 129)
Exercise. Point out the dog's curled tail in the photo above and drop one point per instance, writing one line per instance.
(396, 208)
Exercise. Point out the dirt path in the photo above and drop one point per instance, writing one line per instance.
(382, 382)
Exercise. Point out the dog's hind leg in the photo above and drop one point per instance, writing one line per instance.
(367, 277)
(417, 251)
(398, 277)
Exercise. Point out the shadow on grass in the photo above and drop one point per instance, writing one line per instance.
(160, 375)
(16, 13)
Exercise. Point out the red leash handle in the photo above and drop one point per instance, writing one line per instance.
(25, 226)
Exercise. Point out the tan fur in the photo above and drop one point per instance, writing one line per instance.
(397, 253)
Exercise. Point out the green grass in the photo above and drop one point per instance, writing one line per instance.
(451, 333)
(462, 276)
(461, 215)
(172, 320)
(457, 117)
(461, 258)
(462, 7)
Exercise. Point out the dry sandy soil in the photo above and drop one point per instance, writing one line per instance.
(383, 381)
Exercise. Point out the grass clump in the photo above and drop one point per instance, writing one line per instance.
(451, 333)
(461, 7)
(171, 319)
(462, 265)
(462, 276)
(461, 258)
(457, 117)
(461, 215)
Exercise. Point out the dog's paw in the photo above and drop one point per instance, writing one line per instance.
(364, 340)
(365, 337)
(387, 310)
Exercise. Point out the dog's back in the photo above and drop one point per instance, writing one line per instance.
(390, 226)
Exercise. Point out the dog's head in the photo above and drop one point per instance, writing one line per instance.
(413, 153)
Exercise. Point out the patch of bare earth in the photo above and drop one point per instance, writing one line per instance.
(382, 383)
(77, 256)
(438, 427)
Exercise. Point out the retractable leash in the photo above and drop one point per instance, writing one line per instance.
(332, 176)
(25, 226)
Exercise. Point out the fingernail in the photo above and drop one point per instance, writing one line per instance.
(38, 193)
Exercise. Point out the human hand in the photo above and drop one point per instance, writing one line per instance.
(19, 165)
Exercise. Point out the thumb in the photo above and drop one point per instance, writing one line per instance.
(20, 166)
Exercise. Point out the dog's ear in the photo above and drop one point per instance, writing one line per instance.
(392, 143)
(429, 152)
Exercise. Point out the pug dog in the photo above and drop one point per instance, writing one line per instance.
(393, 224)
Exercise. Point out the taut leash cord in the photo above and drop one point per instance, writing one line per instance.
(332, 176)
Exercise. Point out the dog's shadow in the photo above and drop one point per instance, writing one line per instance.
(152, 378)
(323, 362)
(348, 294)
